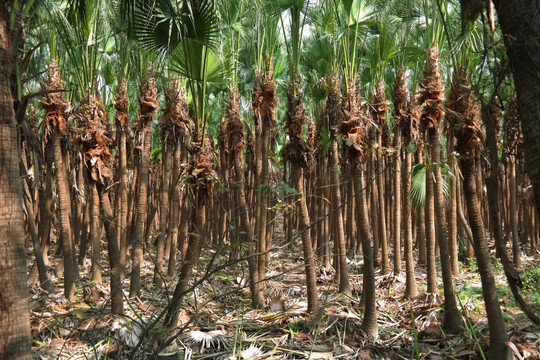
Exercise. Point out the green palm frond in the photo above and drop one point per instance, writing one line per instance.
(161, 25)
(186, 61)
(417, 192)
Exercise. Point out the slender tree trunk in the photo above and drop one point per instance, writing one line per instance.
(490, 117)
(344, 285)
(369, 324)
(497, 329)
(177, 205)
(411, 289)
(452, 210)
(122, 123)
(452, 316)
(191, 260)
(396, 205)
(430, 232)
(163, 215)
(95, 233)
(14, 312)
(309, 263)
(149, 105)
(71, 273)
(514, 212)
(116, 265)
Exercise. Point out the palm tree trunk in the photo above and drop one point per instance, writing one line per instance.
(115, 261)
(344, 285)
(297, 182)
(14, 315)
(452, 211)
(163, 214)
(498, 338)
(149, 105)
(514, 212)
(71, 272)
(122, 124)
(430, 233)
(397, 201)
(369, 324)
(95, 233)
(411, 289)
(191, 260)
(452, 316)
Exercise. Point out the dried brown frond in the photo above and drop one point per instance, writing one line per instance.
(235, 126)
(95, 139)
(172, 124)
(257, 99)
(333, 104)
(463, 115)
(203, 171)
(295, 111)
(378, 109)
(354, 124)
(54, 103)
(121, 106)
(269, 97)
(147, 103)
(223, 137)
(186, 126)
(312, 135)
(399, 99)
(250, 149)
(264, 100)
(295, 152)
(310, 145)
(432, 94)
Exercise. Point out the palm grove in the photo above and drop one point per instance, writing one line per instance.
(170, 129)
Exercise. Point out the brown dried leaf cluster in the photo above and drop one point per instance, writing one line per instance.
(463, 115)
(355, 124)
(175, 121)
(265, 100)
(333, 104)
(378, 109)
(296, 152)
(432, 94)
(121, 106)
(54, 103)
(202, 160)
(147, 103)
(234, 134)
(95, 139)
(295, 112)
(399, 99)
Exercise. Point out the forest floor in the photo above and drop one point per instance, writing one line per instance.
(217, 321)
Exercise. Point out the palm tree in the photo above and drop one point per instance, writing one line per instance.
(295, 152)
(463, 116)
(169, 119)
(335, 116)
(352, 128)
(406, 125)
(148, 106)
(432, 115)
(56, 122)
